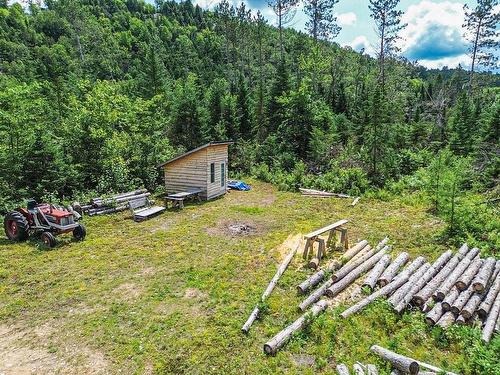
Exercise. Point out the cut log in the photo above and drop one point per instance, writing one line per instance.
(402, 278)
(398, 361)
(493, 290)
(317, 277)
(445, 287)
(450, 298)
(491, 320)
(434, 368)
(322, 194)
(433, 316)
(375, 273)
(272, 346)
(313, 263)
(462, 300)
(402, 296)
(340, 285)
(339, 274)
(342, 369)
(465, 279)
(471, 306)
(382, 244)
(461, 320)
(464, 249)
(371, 369)
(281, 269)
(399, 293)
(355, 201)
(446, 320)
(483, 276)
(392, 269)
(427, 306)
(105, 211)
(421, 282)
(349, 254)
(358, 369)
(110, 201)
(120, 195)
(316, 295)
(424, 294)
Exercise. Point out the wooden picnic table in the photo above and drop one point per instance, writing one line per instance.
(177, 199)
(313, 237)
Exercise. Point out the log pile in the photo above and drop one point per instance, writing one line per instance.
(109, 205)
(454, 289)
(323, 194)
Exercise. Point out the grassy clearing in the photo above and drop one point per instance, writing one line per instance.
(169, 295)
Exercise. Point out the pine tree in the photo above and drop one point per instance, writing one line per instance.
(244, 119)
(285, 11)
(462, 132)
(482, 23)
(388, 25)
(322, 23)
(186, 120)
(280, 86)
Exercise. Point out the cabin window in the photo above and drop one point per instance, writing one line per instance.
(212, 173)
(222, 174)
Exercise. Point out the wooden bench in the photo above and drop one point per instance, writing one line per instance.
(143, 209)
(332, 230)
(177, 199)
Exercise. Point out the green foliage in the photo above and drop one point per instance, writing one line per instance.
(95, 95)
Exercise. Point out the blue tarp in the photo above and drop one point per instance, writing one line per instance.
(238, 185)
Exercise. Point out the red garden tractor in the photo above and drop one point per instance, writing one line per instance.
(45, 219)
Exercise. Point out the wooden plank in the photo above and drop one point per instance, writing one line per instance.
(325, 229)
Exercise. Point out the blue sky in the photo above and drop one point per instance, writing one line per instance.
(434, 35)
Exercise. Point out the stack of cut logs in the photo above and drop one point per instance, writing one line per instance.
(109, 205)
(327, 194)
(453, 288)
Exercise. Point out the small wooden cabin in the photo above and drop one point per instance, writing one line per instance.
(203, 168)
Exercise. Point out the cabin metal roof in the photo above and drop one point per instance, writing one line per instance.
(213, 143)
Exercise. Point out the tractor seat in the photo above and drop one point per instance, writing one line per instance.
(31, 204)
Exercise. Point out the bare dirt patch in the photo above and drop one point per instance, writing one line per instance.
(128, 292)
(303, 360)
(236, 228)
(17, 357)
(31, 351)
(291, 242)
(193, 293)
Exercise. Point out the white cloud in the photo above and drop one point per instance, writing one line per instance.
(450, 62)
(361, 42)
(347, 19)
(434, 33)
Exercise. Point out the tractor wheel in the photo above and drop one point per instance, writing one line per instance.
(48, 239)
(79, 232)
(16, 226)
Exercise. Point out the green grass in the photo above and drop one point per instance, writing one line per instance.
(170, 295)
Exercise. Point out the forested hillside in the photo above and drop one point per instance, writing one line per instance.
(95, 94)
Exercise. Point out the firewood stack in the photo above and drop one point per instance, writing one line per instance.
(461, 288)
(115, 203)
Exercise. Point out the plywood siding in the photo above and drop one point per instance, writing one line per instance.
(216, 154)
(187, 172)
